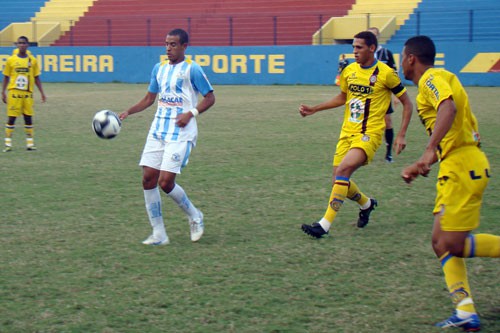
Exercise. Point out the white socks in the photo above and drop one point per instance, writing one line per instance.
(181, 199)
(152, 199)
(325, 224)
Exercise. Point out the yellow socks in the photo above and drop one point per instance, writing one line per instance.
(482, 245)
(29, 130)
(455, 274)
(337, 197)
(9, 129)
(355, 194)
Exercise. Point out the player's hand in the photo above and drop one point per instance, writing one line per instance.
(123, 115)
(425, 162)
(399, 144)
(410, 173)
(183, 119)
(306, 110)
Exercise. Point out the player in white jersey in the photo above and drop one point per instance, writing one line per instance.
(173, 133)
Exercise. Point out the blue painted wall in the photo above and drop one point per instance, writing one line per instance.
(257, 65)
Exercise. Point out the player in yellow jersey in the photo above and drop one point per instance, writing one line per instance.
(366, 87)
(21, 73)
(443, 107)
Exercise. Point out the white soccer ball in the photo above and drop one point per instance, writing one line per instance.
(106, 124)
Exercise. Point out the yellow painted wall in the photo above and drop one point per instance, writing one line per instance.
(53, 19)
(386, 15)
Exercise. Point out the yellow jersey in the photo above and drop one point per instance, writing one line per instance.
(368, 91)
(435, 86)
(21, 72)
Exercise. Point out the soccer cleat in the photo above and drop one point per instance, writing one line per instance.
(314, 230)
(364, 214)
(197, 227)
(30, 148)
(388, 158)
(153, 240)
(470, 324)
(7, 149)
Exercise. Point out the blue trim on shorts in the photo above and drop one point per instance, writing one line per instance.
(186, 155)
(472, 240)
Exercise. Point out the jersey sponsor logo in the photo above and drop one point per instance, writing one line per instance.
(171, 101)
(357, 109)
(22, 70)
(357, 88)
(432, 87)
(21, 96)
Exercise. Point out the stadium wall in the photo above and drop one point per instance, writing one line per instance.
(477, 64)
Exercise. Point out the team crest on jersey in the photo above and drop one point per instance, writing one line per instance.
(181, 75)
(365, 138)
(373, 79)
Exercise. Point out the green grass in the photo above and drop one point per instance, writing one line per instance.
(73, 218)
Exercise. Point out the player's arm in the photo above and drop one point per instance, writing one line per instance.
(444, 120)
(142, 105)
(400, 141)
(336, 101)
(5, 83)
(38, 83)
(202, 106)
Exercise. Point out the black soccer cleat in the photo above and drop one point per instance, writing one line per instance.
(314, 230)
(364, 214)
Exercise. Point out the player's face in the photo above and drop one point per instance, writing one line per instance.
(363, 54)
(175, 50)
(22, 45)
(405, 64)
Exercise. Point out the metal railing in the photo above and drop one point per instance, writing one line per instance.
(236, 30)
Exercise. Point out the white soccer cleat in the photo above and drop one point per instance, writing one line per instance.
(155, 241)
(197, 227)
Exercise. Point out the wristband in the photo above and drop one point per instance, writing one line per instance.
(195, 112)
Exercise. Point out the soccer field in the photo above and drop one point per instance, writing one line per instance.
(73, 218)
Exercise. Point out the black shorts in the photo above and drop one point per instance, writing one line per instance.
(390, 109)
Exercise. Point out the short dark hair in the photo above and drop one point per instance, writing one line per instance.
(423, 48)
(369, 38)
(25, 39)
(183, 35)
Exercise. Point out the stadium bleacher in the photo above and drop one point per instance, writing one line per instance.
(466, 20)
(18, 11)
(210, 22)
(243, 22)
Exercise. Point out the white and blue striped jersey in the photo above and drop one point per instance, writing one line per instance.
(177, 87)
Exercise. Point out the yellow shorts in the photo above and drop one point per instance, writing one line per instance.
(462, 178)
(19, 102)
(369, 143)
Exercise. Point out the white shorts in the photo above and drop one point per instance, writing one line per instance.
(166, 156)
